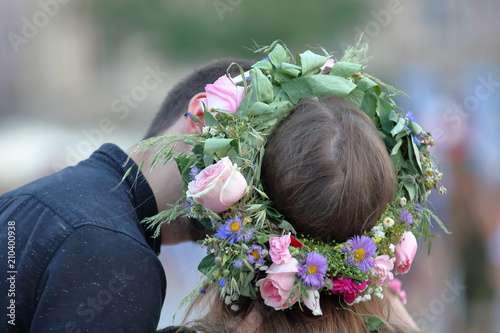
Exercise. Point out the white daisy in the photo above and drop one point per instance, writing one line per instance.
(388, 222)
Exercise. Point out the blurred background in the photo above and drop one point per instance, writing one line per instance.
(77, 74)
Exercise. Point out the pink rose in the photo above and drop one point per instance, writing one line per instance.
(347, 288)
(382, 267)
(327, 67)
(218, 186)
(276, 288)
(396, 285)
(223, 94)
(405, 252)
(278, 249)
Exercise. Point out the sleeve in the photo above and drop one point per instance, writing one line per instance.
(100, 281)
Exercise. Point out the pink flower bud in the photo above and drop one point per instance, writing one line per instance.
(405, 252)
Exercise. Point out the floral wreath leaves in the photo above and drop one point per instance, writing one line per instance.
(278, 82)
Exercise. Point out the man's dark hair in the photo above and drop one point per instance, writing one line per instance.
(177, 100)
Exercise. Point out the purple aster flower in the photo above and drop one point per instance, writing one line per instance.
(245, 236)
(254, 254)
(406, 217)
(188, 204)
(360, 251)
(231, 230)
(238, 263)
(314, 270)
(194, 171)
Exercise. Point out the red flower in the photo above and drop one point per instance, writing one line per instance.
(295, 243)
(347, 288)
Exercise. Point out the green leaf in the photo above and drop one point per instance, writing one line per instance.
(184, 165)
(206, 222)
(373, 323)
(396, 147)
(397, 160)
(213, 145)
(249, 277)
(259, 108)
(415, 128)
(356, 97)
(262, 86)
(325, 85)
(366, 83)
(311, 61)
(385, 109)
(369, 104)
(417, 154)
(209, 118)
(345, 69)
(297, 89)
(410, 187)
(263, 64)
(285, 225)
(278, 55)
(206, 264)
(399, 127)
(290, 69)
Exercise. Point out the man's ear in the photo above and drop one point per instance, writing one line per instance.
(195, 108)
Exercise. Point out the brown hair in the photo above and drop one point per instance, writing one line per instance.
(328, 171)
(178, 98)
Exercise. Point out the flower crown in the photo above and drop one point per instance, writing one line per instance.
(254, 250)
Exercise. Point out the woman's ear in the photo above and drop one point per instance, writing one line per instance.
(195, 108)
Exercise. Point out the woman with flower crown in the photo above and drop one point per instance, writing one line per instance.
(315, 186)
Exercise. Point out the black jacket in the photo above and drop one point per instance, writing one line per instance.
(74, 256)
